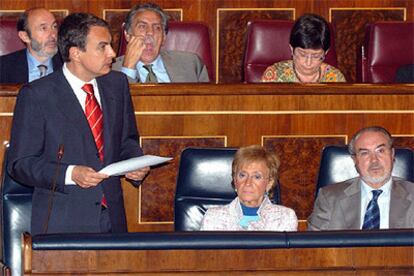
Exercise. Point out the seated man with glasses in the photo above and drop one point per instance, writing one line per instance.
(309, 42)
(375, 199)
(146, 27)
(254, 173)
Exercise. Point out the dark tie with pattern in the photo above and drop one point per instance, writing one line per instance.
(94, 116)
(42, 70)
(151, 77)
(372, 215)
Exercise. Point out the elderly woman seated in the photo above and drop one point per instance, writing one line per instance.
(309, 43)
(254, 173)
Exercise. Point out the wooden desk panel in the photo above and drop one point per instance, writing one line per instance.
(294, 120)
(295, 261)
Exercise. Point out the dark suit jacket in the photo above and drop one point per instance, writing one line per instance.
(405, 74)
(14, 67)
(338, 206)
(47, 114)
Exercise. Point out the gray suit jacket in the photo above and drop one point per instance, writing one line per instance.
(180, 66)
(338, 206)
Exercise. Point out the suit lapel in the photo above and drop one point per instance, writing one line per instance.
(108, 105)
(57, 62)
(169, 66)
(399, 204)
(68, 104)
(22, 68)
(351, 205)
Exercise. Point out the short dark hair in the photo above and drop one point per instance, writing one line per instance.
(146, 7)
(74, 30)
(351, 145)
(310, 31)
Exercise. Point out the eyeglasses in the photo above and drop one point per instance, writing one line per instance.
(243, 176)
(313, 57)
(378, 152)
(144, 27)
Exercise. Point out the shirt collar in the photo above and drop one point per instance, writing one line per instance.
(157, 63)
(366, 189)
(33, 62)
(73, 80)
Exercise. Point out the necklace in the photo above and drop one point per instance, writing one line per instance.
(317, 79)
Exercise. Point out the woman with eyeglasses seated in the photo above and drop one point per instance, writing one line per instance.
(254, 173)
(309, 43)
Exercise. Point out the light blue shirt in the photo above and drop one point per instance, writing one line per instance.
(157, 66)
(383, 202)
(33, 70)
(249, 215)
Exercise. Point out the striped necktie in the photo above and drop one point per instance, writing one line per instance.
(94, 116)
(372, 215)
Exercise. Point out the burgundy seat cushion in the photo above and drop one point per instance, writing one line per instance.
(191, 37)
(388, 45)
(10, 41)
(267, 43)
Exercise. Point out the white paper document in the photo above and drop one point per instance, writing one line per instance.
(126, 166)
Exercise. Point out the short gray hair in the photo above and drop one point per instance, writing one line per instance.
(146, 7)
(351, 145)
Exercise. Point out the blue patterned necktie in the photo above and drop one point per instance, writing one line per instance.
(372, 215)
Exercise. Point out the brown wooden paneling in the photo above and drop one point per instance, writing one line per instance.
(300, 158)
(159, 188)
(296, 119)
(404, 141)
(350, 32)
(232, 24)
(390, 260)
(231, 30)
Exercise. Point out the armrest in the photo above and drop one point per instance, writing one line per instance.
(223, 240)
(351, 238)
(160, 240)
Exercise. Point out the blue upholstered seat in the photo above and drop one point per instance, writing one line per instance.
(16, 211)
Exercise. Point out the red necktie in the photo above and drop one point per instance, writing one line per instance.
(94, 116)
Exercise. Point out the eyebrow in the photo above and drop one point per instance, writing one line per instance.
(379, 146)
(103, 43)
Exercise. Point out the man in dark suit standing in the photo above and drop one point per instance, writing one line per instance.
(37, 28)
(70, 124)
(375, 199)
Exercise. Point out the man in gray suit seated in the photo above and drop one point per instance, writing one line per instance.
(375, 199)
(146, 27)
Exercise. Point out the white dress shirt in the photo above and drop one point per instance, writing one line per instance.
(76, 85)
(383, 202)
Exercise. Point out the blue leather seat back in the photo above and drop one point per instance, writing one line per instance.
(337, 165)
(16, 210)
(204, 180)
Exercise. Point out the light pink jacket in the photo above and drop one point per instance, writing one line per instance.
(272, 217)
